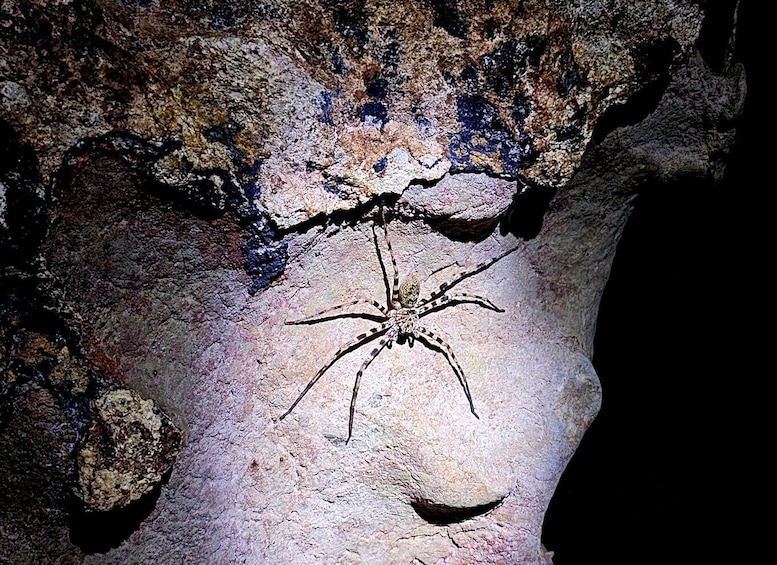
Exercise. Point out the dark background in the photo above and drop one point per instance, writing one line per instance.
(670, 471)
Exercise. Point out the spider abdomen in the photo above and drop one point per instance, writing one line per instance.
(409, 291)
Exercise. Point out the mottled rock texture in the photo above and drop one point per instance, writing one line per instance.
(128, 448)
(194, 175)
(65, 454)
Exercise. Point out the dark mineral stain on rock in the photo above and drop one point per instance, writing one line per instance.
(503, 66)
(266, 257)
(380, 165)
(446, 16)
(570, 132)
(324, 104)
(373, 113)
(469, 79)
(377, 88)
(222, 16)
(533, 48)
(352, 24)
(484, 134)
(225, 134)
(477, 114)
(332, 186)
(567, 80)
(521, 109)
(390, 57)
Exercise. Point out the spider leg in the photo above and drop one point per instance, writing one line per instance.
(395, 285)
(427, 337)
(444, 287)
(351, 345)
(373, 354)
(311, 319)
(445, 301)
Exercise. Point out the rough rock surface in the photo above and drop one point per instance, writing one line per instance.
(347, 99)
(57, 443)
(196, 175)
(128, 448)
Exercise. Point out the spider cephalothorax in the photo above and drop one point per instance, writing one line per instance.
(399, 322)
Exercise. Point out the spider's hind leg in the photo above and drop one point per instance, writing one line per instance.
(440, 344)
(384, 342)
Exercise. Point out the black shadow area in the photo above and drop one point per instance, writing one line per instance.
(443, 515)
(667, 473)
(99, 532)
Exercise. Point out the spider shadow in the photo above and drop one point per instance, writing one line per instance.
(357, 315)
(383, 269)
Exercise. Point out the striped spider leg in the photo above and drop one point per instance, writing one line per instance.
(398, 322)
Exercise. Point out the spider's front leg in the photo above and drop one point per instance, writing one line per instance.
(445, 287)
(395, 284)
(449, 300)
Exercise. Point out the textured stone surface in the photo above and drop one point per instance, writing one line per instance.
(128, 448)
(349, 100)
(51, 433)
(187, 139)
(474, 201)
(37, 440)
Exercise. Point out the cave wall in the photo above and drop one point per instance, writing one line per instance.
(180, 181)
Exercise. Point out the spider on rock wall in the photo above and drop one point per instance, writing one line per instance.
(399, 322)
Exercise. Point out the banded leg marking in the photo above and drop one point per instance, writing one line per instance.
(448, 352)
(311, 318)
(444, 287)
(395, 285)
(373, 354)
(462, 297)
(340, 352)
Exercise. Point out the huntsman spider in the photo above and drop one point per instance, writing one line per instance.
(399, 322)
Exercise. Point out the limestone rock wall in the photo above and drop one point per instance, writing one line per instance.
(181, 179)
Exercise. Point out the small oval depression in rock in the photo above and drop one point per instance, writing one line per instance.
(443, 515)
